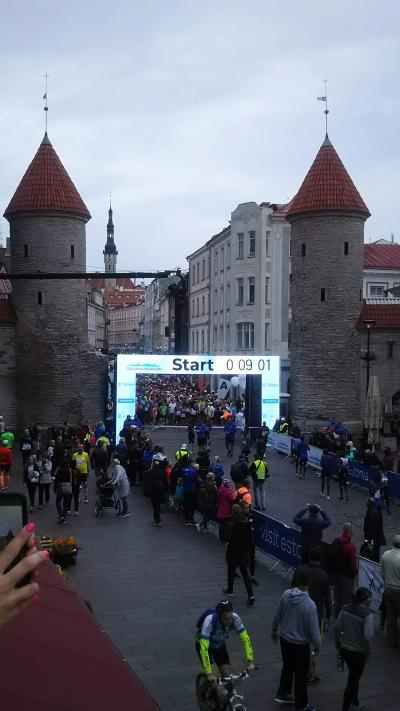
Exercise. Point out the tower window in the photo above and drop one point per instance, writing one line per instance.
(40, 298)
(26, 251)
(390, 349)
(346, 248)
(303, 250)
(323, 294)
(72, 251)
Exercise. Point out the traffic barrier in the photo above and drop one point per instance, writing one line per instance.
(277, 540)
(369, 576)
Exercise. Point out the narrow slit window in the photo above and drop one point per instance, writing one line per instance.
(323, 294)
(390, 349)
(303, 250)
(346, 248)
(40, 298)
(72, 251)
(26, 251)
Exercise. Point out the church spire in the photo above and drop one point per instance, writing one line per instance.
(110, 251)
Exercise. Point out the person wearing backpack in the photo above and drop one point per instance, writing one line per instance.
(259, 473)
(354, 630)
(243, 493)
(342, 563)
(212, 630)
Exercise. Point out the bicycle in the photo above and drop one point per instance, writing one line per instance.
(224, 696)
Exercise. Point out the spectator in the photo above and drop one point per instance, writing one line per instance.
(343, 473)
(311, 527)
(31, 479)
(373, 529)
(6, 459)
(354, 630)
(259, 473)
(98, 460)
(121, 451)
(297, 621)
(238, 552)
(239, 471)
(371, 459)
(342, 562)
(218, 470)
(121, 482)
(351, 451)
(302, 457)
(190, 487)
(230, 432)
(26, 447)
(45, 480)
(388, 460)
(329, 467)
(226, 497)
(208, 496)
(319, 592)
(390, 571)
(155, 486)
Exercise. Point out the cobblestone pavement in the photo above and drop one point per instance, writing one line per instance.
(147, 587)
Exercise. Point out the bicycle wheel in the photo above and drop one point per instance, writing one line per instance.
(205, 692)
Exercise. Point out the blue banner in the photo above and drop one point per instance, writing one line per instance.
(394, 485)
(360, 474)
(277, 540)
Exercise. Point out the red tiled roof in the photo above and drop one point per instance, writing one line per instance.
(7, 312)
(118, 298)
(122, 283)
(47, 187)
(382, 256)
(386, 316)
(327, 187)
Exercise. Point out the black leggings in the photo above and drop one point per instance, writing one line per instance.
(356, 663)
(245, 575)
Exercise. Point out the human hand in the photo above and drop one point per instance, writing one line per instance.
(212, 679)
(250, 666)
(274, 636)
(13, 600)
(307, 506)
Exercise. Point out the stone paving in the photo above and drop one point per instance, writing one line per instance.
(147, 587)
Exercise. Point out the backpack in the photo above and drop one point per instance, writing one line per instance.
(336, 557)
(210, 611)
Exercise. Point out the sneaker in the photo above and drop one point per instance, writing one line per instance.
(40, 506)
(251, 600)
(309, 707)
(64, 520)
(314, 679)
(323, 495)
(68, 513)
(360, 707)
(187, 523)
(198, 527)
(60, 520)
(76, 513)
(328, 498)
(284, 699)
(254, 581)
(126, 516)
(226, 591)
(86, 500)
(30, 508)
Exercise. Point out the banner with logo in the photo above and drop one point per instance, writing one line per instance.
(369, 576)
(277, 540)
(314, 457)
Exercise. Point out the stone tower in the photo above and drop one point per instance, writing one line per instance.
(58, 376)
(327, 219)
(110, 251)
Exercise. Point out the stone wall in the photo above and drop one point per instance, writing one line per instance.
(325, 349)
(8, 399)
(58, 376)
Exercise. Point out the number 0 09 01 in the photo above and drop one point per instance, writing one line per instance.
(245, 365)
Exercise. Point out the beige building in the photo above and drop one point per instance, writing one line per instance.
(124, 325)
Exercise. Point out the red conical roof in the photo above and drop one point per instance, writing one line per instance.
(47, 187)
(327, 187)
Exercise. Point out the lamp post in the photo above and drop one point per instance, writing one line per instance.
(369, 324)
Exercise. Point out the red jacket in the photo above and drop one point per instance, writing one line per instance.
(351, 553)
(5, 457)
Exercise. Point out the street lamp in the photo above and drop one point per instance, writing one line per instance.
(369, 322)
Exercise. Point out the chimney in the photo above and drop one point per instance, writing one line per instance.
(392, 238)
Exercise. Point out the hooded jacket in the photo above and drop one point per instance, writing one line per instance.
(297, 618)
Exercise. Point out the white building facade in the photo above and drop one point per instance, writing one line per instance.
(247, 285)
(381, 269)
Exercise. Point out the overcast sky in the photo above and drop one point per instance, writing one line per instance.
(185, 109)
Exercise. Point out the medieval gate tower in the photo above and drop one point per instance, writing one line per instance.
(327, 219)
(59, 377)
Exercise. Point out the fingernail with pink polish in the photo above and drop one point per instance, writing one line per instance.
(30, 527)
(35, 598)
(31, 542)
(44, 554)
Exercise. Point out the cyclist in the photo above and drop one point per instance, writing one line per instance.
(213, 629)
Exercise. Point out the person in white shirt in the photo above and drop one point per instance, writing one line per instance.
(390, 572)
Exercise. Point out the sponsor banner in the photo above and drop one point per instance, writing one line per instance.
(369, 576)
(394, 485)
(277, 540)
(360, 474)
(314, 457)
(224, 386)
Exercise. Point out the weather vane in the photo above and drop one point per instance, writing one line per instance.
(46, 108)
(326, 111)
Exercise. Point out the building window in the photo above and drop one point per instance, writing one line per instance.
(221, 301)
(26, 251)
(390, 349)
(197, 307)
(267, 242)
(197, 341)
(252, 244)
(215, 262)
(346, 248)
(40, 298)
(245, 336)
(303, 250)
(228, 336)
(194, 274)
(266, 290)
(202, 341)
(193, 307)
(72, 251)
(323, 295)
(198, 272)
(215, 337)
(240, 244)
(203, 269)
(266, 337)
(228, 297)
(203, 305)
(215, 301)
(222, 259)
(228, 255)
(221, 336)
(240, 290)
(252, 288)
(377, 290)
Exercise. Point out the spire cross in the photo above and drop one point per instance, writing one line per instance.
(46, 108)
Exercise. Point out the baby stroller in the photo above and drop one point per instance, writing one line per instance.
(106, 497)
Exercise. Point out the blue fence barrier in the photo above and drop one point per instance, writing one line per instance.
(277, 540)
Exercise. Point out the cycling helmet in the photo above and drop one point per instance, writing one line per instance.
(224, 606)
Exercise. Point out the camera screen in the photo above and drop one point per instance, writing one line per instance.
(10, 523)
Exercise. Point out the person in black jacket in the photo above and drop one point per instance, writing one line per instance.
(239, 551)
(319, 591)
(373, 528)
(155, 486)
(312, 526)
(239, 471)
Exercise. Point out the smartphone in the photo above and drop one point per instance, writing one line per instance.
(13, 516)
